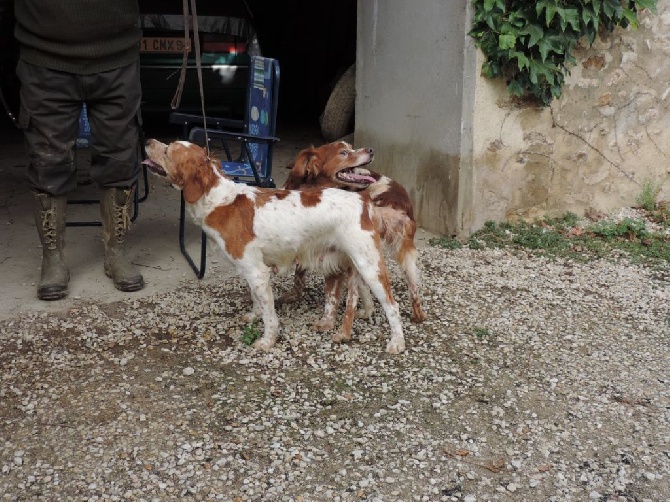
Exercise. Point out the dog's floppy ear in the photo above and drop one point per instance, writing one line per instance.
(193, 175)
(306, 166)
(307, 163)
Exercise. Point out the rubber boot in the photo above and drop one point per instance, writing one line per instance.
(115, 210)
(49, 213)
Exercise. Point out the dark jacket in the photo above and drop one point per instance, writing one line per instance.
(76, 36)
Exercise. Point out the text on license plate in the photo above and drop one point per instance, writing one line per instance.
(163, 44)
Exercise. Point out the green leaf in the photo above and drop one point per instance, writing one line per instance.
(556, 91)
(597, 6)
(507, 28)
(591, 34)
(631, 17)
(533, 67)
(542, 72)
(535, 32)
(506, 41)
(612, 8)
(517, 19)
(515, 88)
(590, 18)
(489, 4)
(571, 17)
(490, 69)
(522, 60)
(550, 44)
(550, 12)
(646, 4)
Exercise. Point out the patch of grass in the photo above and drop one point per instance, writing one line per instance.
(647, 197)
(658, 212)
(627, 228)
(251, 333)
(661, 214)
(563, 237)
(446, 242)
(481, 332)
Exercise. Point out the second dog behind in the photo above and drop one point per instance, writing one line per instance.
(336, 165)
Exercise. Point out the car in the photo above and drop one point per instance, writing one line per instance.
(227, 38)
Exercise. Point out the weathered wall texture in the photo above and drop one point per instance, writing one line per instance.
(595, 148)
(467, 153)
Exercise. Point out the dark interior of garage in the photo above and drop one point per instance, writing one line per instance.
(314, 42)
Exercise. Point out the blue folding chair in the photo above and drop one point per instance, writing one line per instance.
(253, 138)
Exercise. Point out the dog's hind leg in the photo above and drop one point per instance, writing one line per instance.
(367, 303)
(332, 291)
(376, 277)
(299, 280)
(407, 258)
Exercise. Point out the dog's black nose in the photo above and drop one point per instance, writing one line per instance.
(371, 151)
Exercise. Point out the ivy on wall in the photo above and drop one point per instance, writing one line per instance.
(531, 44)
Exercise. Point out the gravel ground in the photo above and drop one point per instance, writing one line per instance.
(532, 380)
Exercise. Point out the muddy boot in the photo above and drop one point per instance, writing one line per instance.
(115, 206)
(49, 213)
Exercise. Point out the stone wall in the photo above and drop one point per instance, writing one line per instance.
(593, 149)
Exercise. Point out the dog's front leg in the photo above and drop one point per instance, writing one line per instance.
(332, 290)
(353, 288)
(255, 311)
(261, 291)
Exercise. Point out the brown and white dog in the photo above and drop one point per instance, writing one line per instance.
(261, 230)
(334, 165)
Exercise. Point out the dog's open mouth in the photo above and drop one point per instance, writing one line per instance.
(155, 168)
(355, 175)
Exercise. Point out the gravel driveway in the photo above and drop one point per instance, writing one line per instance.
(532, 380)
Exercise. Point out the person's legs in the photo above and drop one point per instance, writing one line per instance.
(49, 116)
(113, 102)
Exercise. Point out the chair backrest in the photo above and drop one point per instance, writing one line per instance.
(261, 113)
(254, 165)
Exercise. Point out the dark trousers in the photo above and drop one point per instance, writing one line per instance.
(51, 103)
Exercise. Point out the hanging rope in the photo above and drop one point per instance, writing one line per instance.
(198, 64)
(184, 61)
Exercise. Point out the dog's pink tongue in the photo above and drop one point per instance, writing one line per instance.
(361, 177)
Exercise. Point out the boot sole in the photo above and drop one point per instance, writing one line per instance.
(51, 296)
(129, 288)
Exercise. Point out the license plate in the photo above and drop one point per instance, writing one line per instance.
(164, 44)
